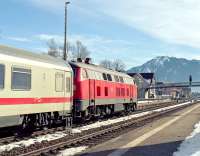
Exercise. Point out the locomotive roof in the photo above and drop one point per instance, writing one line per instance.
(24, 54)
(99, 69)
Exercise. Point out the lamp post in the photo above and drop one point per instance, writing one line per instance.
(65, 49)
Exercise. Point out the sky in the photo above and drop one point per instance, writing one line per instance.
(131, 30)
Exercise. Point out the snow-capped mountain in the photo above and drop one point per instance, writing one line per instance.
(171, 69)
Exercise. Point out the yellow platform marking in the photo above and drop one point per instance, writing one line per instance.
(147, 135)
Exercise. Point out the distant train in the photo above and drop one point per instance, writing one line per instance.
(38, 90)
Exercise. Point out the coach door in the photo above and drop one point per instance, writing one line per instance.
(68, 90)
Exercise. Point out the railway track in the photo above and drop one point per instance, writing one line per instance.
(11, 138)
(89, 137)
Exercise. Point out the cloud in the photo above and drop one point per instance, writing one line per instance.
(100, 47)
(18, 39)
(46, 37)
(51, 5)
(173, 21)
(88, 40)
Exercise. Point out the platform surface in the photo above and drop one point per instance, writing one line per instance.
(159, 138)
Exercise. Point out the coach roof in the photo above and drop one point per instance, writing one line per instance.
(24, 54)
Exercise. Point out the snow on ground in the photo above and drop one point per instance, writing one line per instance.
(191, 145)
(72, 151)
(57, 135)
(26, 143)
(153, 101)
(113, 121)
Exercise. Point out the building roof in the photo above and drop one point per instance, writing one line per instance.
(146, 76)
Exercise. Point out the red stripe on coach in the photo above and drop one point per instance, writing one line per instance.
(13, 101)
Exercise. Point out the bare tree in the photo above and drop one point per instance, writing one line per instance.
(106, 64)
(53, 48)
(79, 51)
(119, 65)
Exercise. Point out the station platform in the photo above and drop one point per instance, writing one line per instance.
(159, 138)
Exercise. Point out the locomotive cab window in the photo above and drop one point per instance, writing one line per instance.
(109, 77)
(59, 82)
(2, 75)
(104, 76)
(21, 79)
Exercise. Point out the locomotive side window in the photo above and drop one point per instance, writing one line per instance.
(59, 82)
(98, 91)
(117, 91)
(121, 79)
(98, 76)
(2, 75)
(122, 92)
(21, 79)
(106, 91)
(116, 78)
(68, 84)
(127, 91)
(109, 77)
(104, 76)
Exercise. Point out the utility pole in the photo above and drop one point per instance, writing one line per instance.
(65, 49)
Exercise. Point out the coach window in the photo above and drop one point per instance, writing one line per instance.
(68, 84)
(21, 79)
(104, 76)
(109, 77)
(2, 75)
(98, 91)
(59, 82)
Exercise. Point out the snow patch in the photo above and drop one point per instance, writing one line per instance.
(39, 139)
(191, 145)
(72, 151)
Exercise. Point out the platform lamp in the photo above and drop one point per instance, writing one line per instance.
(65, 49)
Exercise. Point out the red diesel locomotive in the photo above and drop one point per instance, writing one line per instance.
(37, 90)
(99, 91)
